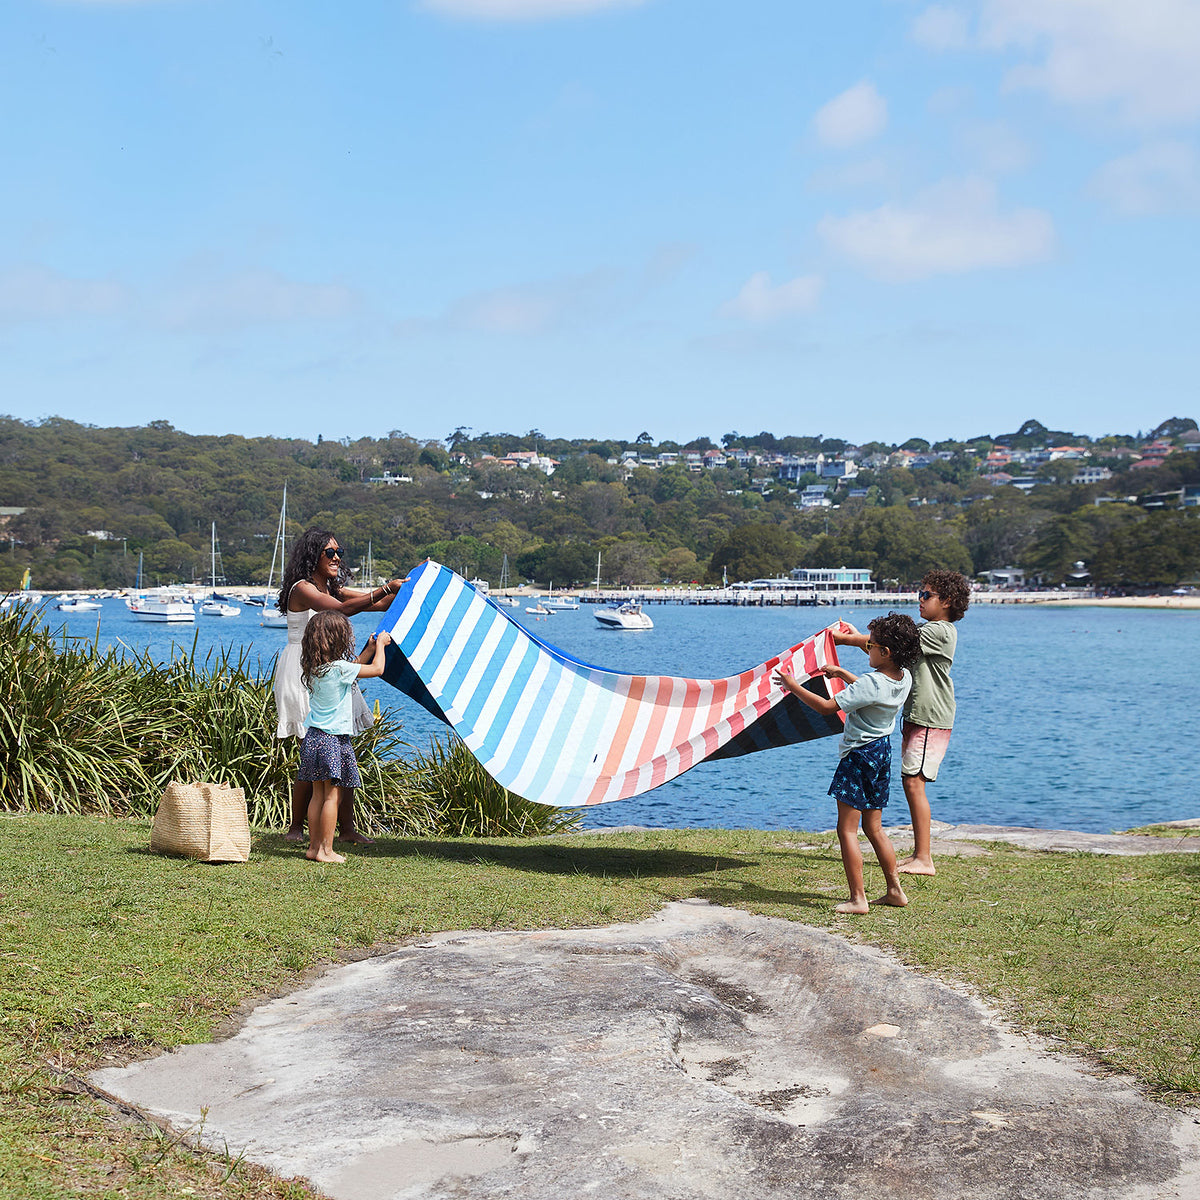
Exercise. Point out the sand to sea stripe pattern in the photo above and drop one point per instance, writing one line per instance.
(560, 731)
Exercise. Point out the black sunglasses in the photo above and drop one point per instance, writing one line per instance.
(332, 552)
(926, 595)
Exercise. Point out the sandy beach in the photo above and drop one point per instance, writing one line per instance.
(1192, 602)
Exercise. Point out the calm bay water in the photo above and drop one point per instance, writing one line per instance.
(1081, 718)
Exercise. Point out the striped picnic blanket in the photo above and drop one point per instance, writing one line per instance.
(560, 731)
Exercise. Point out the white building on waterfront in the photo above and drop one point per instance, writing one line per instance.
(834, 579)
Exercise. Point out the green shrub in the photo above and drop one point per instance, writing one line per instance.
(470, 803)
(89, 731)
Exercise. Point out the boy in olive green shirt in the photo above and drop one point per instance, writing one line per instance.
(929, 713)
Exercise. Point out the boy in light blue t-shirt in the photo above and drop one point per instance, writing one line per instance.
(861, 781)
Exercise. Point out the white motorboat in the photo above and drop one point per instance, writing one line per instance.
(76, 604)
(272, 618)
(624, 616)
(480, 585)
(538, 609)
(218, 608)
(507, 601)
(163, 606)
(560, 603)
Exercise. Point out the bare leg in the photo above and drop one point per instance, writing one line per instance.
(886, 854)
(322, 816)
(920, 862)
(852, 863)
(301, 795)
(348, 829)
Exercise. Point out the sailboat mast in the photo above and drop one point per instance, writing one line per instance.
(280, 550)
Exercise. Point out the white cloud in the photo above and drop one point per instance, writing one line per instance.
(35, 293)
(533, 308)
(521, 10)
(995, 146)
(1140, 57)
(857, 115)
(1156, 178)
(954, 227)
(253, 297)
(941, 28)
(759, 300)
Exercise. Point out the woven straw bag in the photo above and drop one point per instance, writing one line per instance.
(207, 821)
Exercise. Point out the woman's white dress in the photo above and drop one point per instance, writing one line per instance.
(291, 696)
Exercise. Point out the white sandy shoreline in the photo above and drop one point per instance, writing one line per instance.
(1180, 602)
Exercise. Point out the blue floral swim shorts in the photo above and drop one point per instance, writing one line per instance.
(863, 777)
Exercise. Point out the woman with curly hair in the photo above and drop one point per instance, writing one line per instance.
(315, 581)
(860, 784)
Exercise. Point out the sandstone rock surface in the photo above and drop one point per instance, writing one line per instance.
(703, 1053)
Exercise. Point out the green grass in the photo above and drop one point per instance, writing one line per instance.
(107, 951)
(1166, 831)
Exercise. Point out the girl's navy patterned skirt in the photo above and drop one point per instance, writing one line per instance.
(863, 777)
(329, 756)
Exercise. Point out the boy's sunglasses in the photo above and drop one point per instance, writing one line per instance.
(332, 552)
(926, 595)
(875, 645)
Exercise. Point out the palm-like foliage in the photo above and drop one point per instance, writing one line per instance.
(86, 730)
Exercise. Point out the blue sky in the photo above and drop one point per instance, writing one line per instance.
(869, 220)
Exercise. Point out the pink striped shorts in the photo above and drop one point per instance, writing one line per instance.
(922, 750)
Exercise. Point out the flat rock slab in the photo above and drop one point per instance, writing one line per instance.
(1071, 840)
(702, 1053)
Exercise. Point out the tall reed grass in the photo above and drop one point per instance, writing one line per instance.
(90, 730)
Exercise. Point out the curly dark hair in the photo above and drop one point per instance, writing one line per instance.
(302, 564)
(898, 633)
(952, 589)
(328, 637)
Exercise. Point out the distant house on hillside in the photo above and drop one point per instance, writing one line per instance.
(838, 468)
(792, 466)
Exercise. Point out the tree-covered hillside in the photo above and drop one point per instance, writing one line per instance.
(94, 498)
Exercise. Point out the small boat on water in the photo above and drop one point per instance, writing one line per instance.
(624, 616)
(218, 608)
(76, 604)
(560, 603)
(538, 609)
(166, 605)
(504, 585)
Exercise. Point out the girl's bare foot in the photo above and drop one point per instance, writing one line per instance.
(324, 856)
(355, 838)
(896, 898)
(295, 834)
(855, 908)
(916, 866)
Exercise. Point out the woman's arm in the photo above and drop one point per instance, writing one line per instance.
(374, 668)
(821, 704)
(352, 600)
(379, 599)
